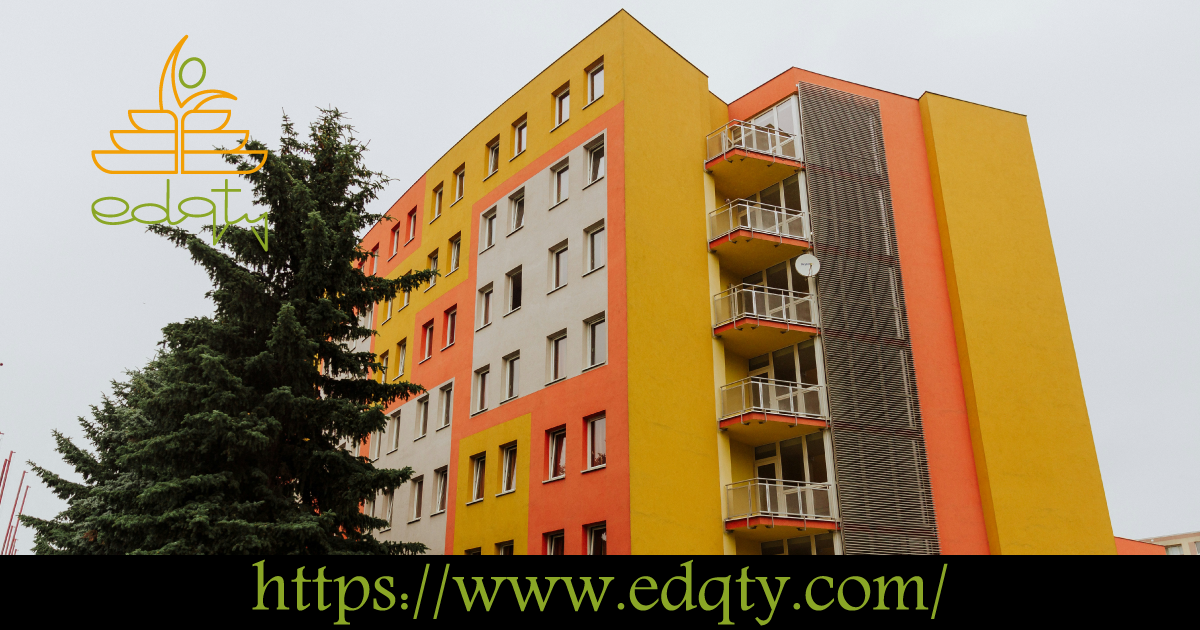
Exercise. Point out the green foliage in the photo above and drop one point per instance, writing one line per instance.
(231, 441)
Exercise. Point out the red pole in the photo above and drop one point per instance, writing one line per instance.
(4, 475)
(12, 547)
(14, 511)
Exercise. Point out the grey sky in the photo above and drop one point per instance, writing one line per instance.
(1109, 88)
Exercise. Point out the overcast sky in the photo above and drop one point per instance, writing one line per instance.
(1109, 88)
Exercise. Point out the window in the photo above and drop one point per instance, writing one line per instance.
(554, 544)
(485, 306)
(478, 466)
(596, 163)
(519, 129)
(442, 476)
(557, 443)
(493, 156)
(376, 441)
(596, 81)
(394, 431)
(389, 499)
(447, 405)
(558, 356)
(395, 240)
(597, 248)
(597, 451)
(427, 337)
(433, 266)
(375, 260)
(412, 224)
(597, 341)
(418, 493)
(512, 376)
(1174, 550)
(558, 266)
(383, 366)
(422, 425)
(387, 314)
(562, 185)
(437, 201)
(514, 289)
(451, 321)
(474, 551)
(597, 540)
(509, 481)
(504, 548)
(562, 106)
(407, 294)
(517, 211)
(455, 249)
(487, 229)
(401, 350)
(460, 182)
(481, 386)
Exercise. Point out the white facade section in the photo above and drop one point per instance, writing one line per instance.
(561, 292)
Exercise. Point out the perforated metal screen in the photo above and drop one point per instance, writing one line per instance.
(879, 448)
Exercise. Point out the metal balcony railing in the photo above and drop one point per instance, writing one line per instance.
(763, 218)
(738, 134)
(763, 395)
(759, 302)
(779, 499)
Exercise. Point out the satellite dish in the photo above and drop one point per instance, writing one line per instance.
(807, 265)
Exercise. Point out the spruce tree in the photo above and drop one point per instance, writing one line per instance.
(232, 439)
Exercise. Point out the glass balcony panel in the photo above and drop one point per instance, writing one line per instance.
(737, 134)
(778, 498)
(761, 395)
(757, 301)
(755, 216)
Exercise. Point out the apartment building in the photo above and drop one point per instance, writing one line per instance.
(818, 319)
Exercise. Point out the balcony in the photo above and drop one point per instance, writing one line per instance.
(749, 236)
(742, 157)
(779, 503)
(753, 319)
(757, 410)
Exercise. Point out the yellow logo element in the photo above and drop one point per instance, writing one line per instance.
(157, 145)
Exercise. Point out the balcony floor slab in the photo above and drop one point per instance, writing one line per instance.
(756, 428)
(742, 252)
(750, 336)
(765, 528)
(739, 173)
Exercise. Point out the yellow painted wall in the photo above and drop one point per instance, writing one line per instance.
(495, 519)
(675, 489)
(1038, 473)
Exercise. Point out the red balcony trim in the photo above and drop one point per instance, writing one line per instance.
(735, 235)
(777, 521)
(730, 154)
(758, 416)
(755, 322)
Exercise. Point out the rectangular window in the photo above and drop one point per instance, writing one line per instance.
(596, 164)
(562, 185)
(407, 294)
(554, 544)
(427, 338)
(597, 342)
(596, 82)
(517, 211)
(477, 480)
(455, 248)
(562, 107)
(597, 248)
(487, 229)
(597, 540)
(481, 388)
(493, 156)
(394, 431)
(474, 551)
(383, 366)
(485, 306)
(597, 450)
(447, 405)
(558, 357)
(422, 425)
(376, 441)
(1174, 550)
(412, 224)
(418, 493)
(388, 315)
(519, 132)
(451, 321)
(389, 499)
(557, 457)
(514, 289)
(375, 261)
(443, 483)
(433, 266)
(558, 267)
(401, 350)
(510, 469)
(512, 376)
(437, 201)
(504, 548)
(460, 182)
(395, 240)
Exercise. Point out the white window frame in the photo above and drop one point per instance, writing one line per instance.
(485, 305)
(512, 376)
(591, 235)
(412, 225)
(493, 148)
(591, 446)
(455, 252)
(427, 334)
(460, 183)
(554, 541)
(555, 453)
(442, 476)
(560, 184)
(562, 106)
(395, 240)
(481, 384)
(422, 424)
(375, 261)
(383, 367)
(446, 412)
(394, 431)
(508, 480)
(591, 530)
(520, 136)
(451, 327)
(557, 361)
(437, 201)
(595, 351)
(401, 351)
(487, 230)
(593, 93)
(389, 499)
(478, 477)
(433, 266)
(516, 211)
(513, 291)
(417, 498)
(559, 266)
(595, 174)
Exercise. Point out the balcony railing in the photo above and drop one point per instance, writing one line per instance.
(758, 217)
(779, 499)
(783, 398)
(737, 134)
(759, 302)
